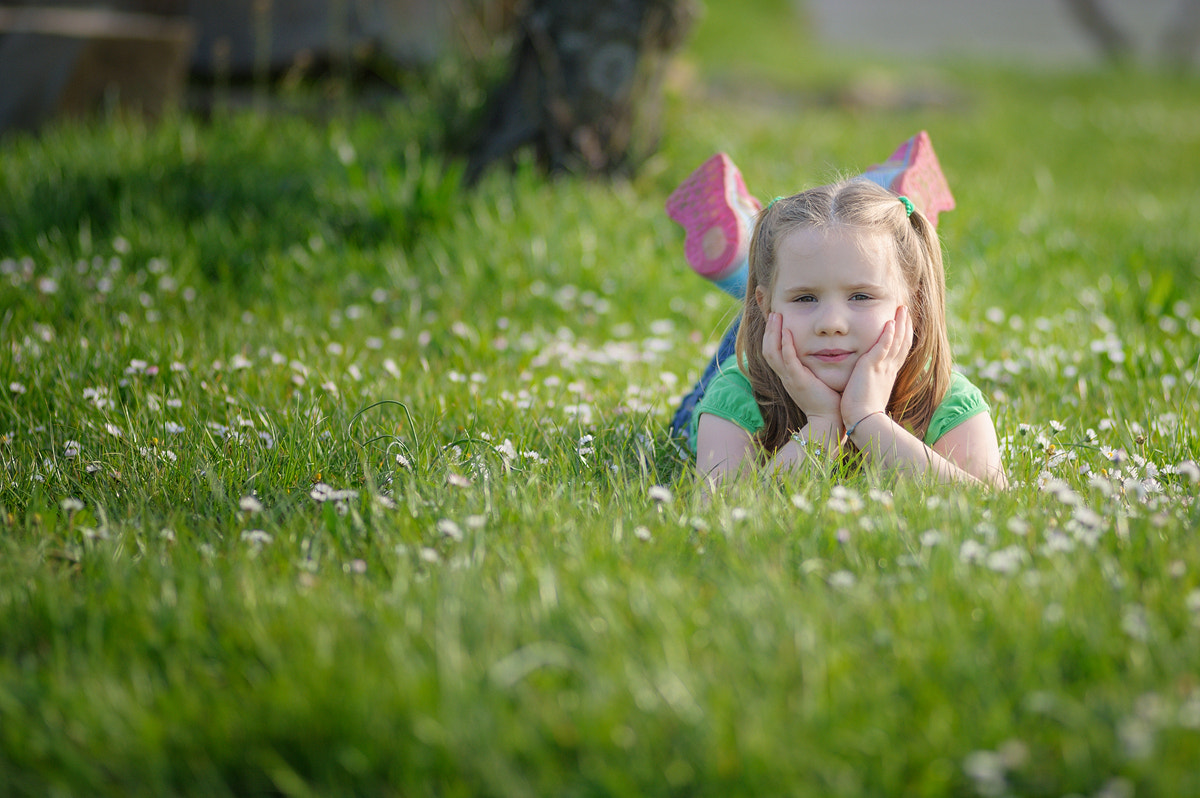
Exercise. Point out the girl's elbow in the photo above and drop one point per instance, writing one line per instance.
(997, 479)
(992, 475)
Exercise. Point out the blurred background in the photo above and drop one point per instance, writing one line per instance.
(75, 57)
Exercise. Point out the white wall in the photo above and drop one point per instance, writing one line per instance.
(1041, 31)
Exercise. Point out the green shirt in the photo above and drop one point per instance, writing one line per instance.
(729, 396)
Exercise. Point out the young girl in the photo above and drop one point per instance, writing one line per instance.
(842, 341)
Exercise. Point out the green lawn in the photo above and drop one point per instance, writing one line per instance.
(323, 476)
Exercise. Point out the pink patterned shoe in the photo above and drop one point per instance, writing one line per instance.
(717, 212)
(913, 171)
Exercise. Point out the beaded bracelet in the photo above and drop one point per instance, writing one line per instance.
(804, 442)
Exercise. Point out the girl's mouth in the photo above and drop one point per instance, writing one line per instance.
(832, 355)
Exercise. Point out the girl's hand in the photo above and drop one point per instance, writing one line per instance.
(815, 398)
(874, 376)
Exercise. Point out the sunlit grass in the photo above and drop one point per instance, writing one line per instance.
(323, 475)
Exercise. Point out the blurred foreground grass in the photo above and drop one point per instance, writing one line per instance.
(323, 476)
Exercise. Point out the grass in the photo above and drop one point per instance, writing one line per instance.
(323, 476)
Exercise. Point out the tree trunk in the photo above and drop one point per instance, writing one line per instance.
(1183, 34)
(584, 85)
(1099, 26)
(1179, 40)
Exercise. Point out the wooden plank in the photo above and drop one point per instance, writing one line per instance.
(93, 23)
(65, 61)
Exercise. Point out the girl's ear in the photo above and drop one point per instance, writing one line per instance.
(760, 296)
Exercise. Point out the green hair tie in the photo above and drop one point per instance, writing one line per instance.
(772, 202)
(908, 206)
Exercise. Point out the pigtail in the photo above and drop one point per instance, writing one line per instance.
(924, 378)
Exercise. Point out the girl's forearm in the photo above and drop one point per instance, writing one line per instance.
(818, 433)
(887, 444)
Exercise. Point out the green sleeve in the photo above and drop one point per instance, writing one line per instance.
(963, 400)
(729, 396)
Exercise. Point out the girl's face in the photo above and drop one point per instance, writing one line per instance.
(835, 290)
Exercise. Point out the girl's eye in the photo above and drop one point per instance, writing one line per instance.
(860, 297)
(806, 298)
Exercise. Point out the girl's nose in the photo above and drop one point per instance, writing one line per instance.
(831, 320)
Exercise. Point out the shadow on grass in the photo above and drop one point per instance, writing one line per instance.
(231, 207)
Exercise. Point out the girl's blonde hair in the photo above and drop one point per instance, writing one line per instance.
(858, 205)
